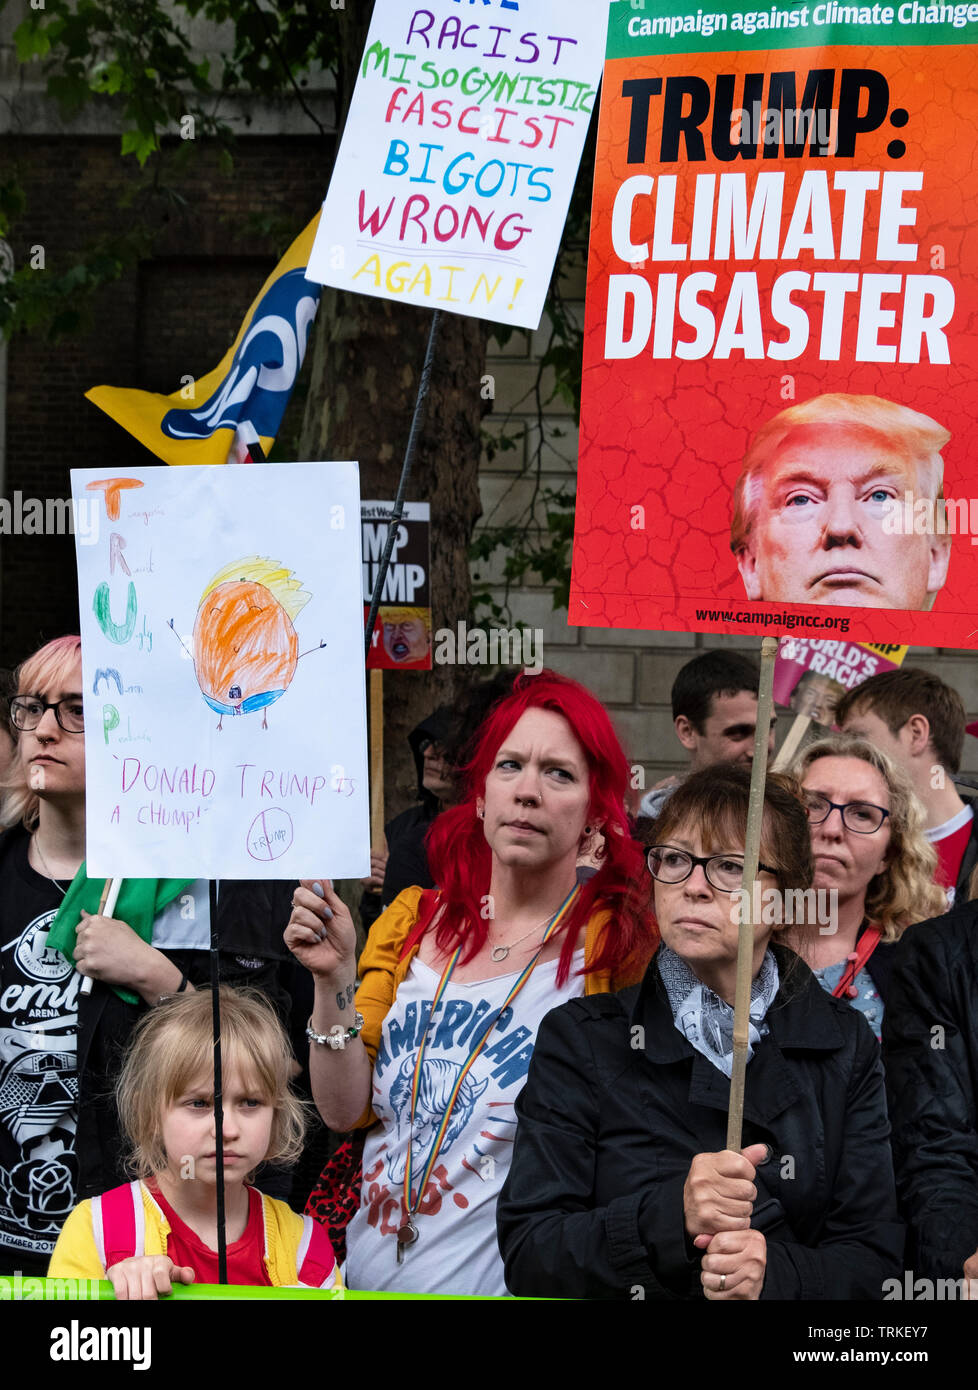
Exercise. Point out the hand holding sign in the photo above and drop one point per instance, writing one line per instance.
(320, 933)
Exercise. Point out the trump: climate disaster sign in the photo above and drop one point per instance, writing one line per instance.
(778, 429)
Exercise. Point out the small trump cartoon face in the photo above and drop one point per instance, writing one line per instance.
(811, 508)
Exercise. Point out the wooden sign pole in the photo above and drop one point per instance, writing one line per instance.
(377, 759)
(752, 853)
(792, 742)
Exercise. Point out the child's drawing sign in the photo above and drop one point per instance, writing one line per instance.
(245, 645)
(203, 605)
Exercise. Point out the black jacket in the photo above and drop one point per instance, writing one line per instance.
(970, 857)
(930, 1049)
(879, 967)
(615, 1107)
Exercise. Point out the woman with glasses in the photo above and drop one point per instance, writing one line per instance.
(874, 869)
(433, 1048)
(620, 1184)
(60, 1046)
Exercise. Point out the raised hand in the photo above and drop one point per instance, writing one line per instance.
(320, 933)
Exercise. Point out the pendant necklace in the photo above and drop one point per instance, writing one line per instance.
(498, 953)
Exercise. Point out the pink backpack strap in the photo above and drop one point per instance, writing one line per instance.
(315, 1261)
(119, 1224)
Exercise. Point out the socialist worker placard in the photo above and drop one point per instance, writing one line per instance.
(779, 428)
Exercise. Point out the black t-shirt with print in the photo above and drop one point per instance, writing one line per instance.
(38, 1065)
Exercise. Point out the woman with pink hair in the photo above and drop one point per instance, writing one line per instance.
(435, 1045)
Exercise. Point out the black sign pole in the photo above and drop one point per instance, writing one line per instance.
(417, 424)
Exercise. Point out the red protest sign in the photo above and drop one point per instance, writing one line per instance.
(780, 379)
(811, 677)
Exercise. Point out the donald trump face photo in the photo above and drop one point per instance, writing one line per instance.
(819, 483)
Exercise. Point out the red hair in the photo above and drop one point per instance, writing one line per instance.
(461, 861)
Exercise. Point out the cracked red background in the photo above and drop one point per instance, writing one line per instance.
(669, 435)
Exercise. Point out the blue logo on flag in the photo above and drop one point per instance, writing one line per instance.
(253, 396)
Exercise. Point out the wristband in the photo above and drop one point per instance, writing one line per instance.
(180, 989)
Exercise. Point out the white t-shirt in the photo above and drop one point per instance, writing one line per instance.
(456, 1250)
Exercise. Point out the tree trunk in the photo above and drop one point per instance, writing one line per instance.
(367, 360)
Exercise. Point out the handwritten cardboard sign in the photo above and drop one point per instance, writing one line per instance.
(222, 641)
(459, 155)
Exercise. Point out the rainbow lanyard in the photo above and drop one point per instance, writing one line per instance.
(521, 980)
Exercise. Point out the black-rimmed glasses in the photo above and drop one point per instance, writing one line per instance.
(862, 817)
(27, 711)
(725, 872)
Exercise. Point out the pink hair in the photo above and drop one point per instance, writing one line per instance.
(461, 861)
(46, 670)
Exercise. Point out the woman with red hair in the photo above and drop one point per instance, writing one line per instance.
(436, 1044)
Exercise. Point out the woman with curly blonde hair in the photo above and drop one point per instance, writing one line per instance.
(873, 865)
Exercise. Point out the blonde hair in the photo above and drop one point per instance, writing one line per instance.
(388, 614)
(46, 670)
(905, 892)
(917, 436)
(172, 1047)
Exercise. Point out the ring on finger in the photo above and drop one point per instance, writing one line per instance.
(723, 1282)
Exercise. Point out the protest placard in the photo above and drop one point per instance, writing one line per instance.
(459, 155)
(221, 623)
(401, 639)
(779, 420)
(811, 676)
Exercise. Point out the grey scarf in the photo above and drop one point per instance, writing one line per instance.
(705, 1019)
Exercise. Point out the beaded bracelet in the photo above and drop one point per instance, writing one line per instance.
(338, 1036)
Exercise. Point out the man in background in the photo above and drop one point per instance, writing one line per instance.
(920, 722)
(714, 713)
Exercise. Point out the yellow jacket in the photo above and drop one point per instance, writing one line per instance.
(76, 1253)
(382, 968)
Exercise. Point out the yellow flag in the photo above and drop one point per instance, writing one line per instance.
(247, 392)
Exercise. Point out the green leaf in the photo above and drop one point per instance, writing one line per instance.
(31, 40)
(140, 143)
